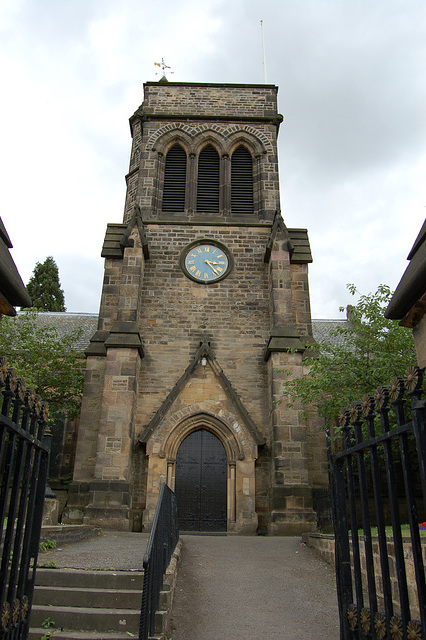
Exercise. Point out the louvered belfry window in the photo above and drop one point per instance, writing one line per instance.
(242, 181)
(208, 181)
(174, 180)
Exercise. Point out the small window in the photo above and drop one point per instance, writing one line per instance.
(242, 181)
(208, 180)
(174, 180)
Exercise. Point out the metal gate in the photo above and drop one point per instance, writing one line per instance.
(23, 473)
(201, 483)
(379, 479)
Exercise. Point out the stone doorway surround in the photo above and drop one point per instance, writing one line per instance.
(241, 456)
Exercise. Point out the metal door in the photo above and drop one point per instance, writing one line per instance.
(201, 483)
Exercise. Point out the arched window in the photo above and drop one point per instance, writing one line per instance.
(208, 180)
(242, 181)
(174, 180)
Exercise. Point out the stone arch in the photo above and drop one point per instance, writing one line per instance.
(224, 139)
(171, 137)
(174, 439)
(189, 132)
(241, 452)
(242, 138)
(247, 447)
(206, 137)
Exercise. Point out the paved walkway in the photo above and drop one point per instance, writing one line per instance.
(113, 550)
(229, 588)
(253, 588)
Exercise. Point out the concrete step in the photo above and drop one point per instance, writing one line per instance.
(85, 619)
(89, 579)
(37, 634)
(86, 604)
(97, 598)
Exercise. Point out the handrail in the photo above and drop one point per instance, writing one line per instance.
(161, 544)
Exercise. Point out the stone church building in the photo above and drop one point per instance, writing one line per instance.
(205, 303)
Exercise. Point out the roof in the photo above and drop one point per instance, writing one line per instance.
(322, 329)
(65, 322)
(12, 289)
(412, 286)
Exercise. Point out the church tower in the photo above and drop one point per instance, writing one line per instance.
(205, 304)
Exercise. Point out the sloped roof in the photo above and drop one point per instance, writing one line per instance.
(412, 286)
(322, 329)
(65, 322)
(12, 289)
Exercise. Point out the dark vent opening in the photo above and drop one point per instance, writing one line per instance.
(242, 181)
(174, 180)
(208, 181)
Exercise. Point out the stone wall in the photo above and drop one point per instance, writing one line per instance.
(324, 545)
(176, 313)
(213, 101)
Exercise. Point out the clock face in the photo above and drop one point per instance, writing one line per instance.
(206, 262)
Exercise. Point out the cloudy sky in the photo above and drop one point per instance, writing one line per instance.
(352, 148)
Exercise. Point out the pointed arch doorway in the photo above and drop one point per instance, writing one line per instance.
(201, 483)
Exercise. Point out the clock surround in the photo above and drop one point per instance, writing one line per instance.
(206, 261)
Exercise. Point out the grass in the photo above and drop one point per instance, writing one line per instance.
(405, 531)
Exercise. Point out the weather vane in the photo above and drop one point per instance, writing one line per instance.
(163, 66)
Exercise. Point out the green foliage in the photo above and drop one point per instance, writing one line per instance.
(45, 360)
(47, 565)
(46, 545)
(47, 623)
(359, 356)
(44, 287)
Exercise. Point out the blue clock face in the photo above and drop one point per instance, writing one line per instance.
(206, 263)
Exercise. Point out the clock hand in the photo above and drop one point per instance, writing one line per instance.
(211, 266)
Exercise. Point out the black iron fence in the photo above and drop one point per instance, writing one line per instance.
(380, 478)
(23, 473)
(161, 544)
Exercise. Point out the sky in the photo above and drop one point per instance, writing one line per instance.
(352, 148)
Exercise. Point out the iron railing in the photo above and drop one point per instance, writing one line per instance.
(379, 478)
(23, 472)
(161, 544)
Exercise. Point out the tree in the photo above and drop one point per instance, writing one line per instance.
(357, 358)
(45, 360)
(44, 287)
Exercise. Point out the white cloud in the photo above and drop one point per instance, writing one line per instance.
(352, 146)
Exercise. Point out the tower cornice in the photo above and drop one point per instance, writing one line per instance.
(144, 116)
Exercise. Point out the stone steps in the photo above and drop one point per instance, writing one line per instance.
(86, 604)
(96, 605)
(37, 633)
(98, 599)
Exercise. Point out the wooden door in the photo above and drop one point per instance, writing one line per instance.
(201, 483)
